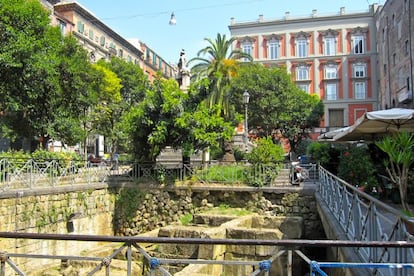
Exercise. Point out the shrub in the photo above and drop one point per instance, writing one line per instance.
(239, 155)
(266, 152)
(265, 162)
(216, 153)
(302, 147)
(356, 167)
(319, 152)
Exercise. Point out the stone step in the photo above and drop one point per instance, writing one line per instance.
(283, 178)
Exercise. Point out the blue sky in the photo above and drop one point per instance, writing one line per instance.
(196, 20)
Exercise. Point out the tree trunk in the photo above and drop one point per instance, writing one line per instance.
(403, 187)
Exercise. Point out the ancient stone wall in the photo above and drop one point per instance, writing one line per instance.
(158, 208)
(129, 211)
(80, 212)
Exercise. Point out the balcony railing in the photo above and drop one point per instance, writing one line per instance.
(291, 249)
(364, 218)
(27, 174)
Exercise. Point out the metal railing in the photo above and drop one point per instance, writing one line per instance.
(21, 174)
(131, 245)
(365, 218)
(307, 171)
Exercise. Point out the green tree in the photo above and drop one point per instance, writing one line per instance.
(77, 79)
(151, 124)
(134, 84)
(45, 78)
(204, 128)
(218, 63)
(399, 149)
(356, 167)
(105, 113)
(276, 103)
(29, 86)
(319, 152)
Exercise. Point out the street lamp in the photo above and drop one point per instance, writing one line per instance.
(246, 97)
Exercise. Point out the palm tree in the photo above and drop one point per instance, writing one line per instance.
(219, 63)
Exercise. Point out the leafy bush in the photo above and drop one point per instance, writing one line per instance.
(239, 155)
(266, 152)
(216, 153)
(302, 147)
(356, 167)
(319, 152)
(265, 162)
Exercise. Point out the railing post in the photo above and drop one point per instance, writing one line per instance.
(129, 260)
(3, 258)
(289, 263)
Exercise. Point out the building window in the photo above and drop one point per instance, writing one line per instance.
(359, 71)
(329, 46)
(112, 49)
(394, 59)
(102, 41)
(301, 48)
(331, 92)
(273, 49)
(120, 53)
(302, 73)
(147, 55)
(154, 59)
(358, 43)
(360, 91)
(129, 58)
(62, 26)
(80, 27)
(331, 72)
(303, 87)
(91, 34)
(247, 48)
(336, 117)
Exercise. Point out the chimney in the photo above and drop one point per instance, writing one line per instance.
(260, 17)
(314, 13)
(342, 11)
(287, 14)
(232, 21)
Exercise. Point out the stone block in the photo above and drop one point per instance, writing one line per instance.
(241, 233)
(291, 227)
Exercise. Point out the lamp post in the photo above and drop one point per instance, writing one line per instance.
(246, 97)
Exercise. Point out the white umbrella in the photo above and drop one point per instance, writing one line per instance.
(375, 124)
(329, 136)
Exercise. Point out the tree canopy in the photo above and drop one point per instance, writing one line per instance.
(218, 63)
(276, 104)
